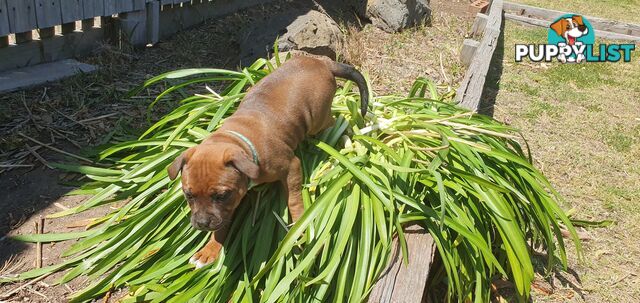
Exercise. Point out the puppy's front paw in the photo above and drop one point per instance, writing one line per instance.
(204, 256)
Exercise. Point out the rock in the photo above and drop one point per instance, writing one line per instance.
(314, 33)
(308, 30)
(395, 15)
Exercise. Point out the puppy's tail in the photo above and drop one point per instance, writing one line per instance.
(350, 73)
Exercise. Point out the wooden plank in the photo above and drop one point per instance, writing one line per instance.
(110, 7)
(92, 8)
(478, 25)
(469, 47)
(40, 74)
(123, 6)
(153, 22)
(4, 19)
(176, 18)
(406, 282)
(48, 13)
(551, 15)
(20, 55)
(469, 94)
(71, 10)
(545, 23)
(134, 27)
(72, 45)
(22, 16)
(139, 5)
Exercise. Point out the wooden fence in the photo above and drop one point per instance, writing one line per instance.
(38, 31)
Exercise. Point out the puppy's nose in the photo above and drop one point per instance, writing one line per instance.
(582, 28)
(206, 223)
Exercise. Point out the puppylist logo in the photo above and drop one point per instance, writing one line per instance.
(571, 40)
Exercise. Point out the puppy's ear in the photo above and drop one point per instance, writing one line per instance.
(241, 161)
(578, 19)
(559, 27)
(178, 163)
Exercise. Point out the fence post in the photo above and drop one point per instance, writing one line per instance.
(153, 21)
(134, 26)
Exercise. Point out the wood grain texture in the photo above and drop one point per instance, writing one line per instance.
(469, 94)
(479, 25)
(110, 7)
(605, 25)
(22, 15)
(92, 8)
(469, 47)
(48, 13)
(406, 282)
(4, 19)
(71, 10)
(123, 6)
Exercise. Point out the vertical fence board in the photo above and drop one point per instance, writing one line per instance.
(92, 8)
(139, 5)
(166, 2)
(22, 16)
(123, 6)
(71, 10)
(4, 18)
(48, 13)
(153, 22)
(109, 7)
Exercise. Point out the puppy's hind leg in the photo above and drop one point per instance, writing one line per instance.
(293, 186)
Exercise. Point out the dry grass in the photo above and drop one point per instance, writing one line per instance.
(394, 61)
(583, 125)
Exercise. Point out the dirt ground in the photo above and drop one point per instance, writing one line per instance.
(78, 114)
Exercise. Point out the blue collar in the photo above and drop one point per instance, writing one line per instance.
(254, 153)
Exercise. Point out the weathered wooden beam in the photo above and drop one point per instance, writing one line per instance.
(4, 19)
(469, 94)
(406, 282)
(601, 24)
(34, 52)
(469, 47)
(479, 25)
(176, 18)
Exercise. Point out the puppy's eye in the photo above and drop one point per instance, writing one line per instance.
(221, 196)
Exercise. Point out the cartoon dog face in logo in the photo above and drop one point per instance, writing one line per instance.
(570, 28)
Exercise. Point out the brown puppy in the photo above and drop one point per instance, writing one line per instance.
(256, 144)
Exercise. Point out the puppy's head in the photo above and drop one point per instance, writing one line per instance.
(215, 178)
(570, 28)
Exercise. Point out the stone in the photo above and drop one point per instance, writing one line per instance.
(396, 15)
(310, 31)
(314, 33)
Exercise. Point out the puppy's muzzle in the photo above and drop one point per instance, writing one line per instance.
(206, 222)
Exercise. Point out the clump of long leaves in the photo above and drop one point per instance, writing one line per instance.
(413, 160)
